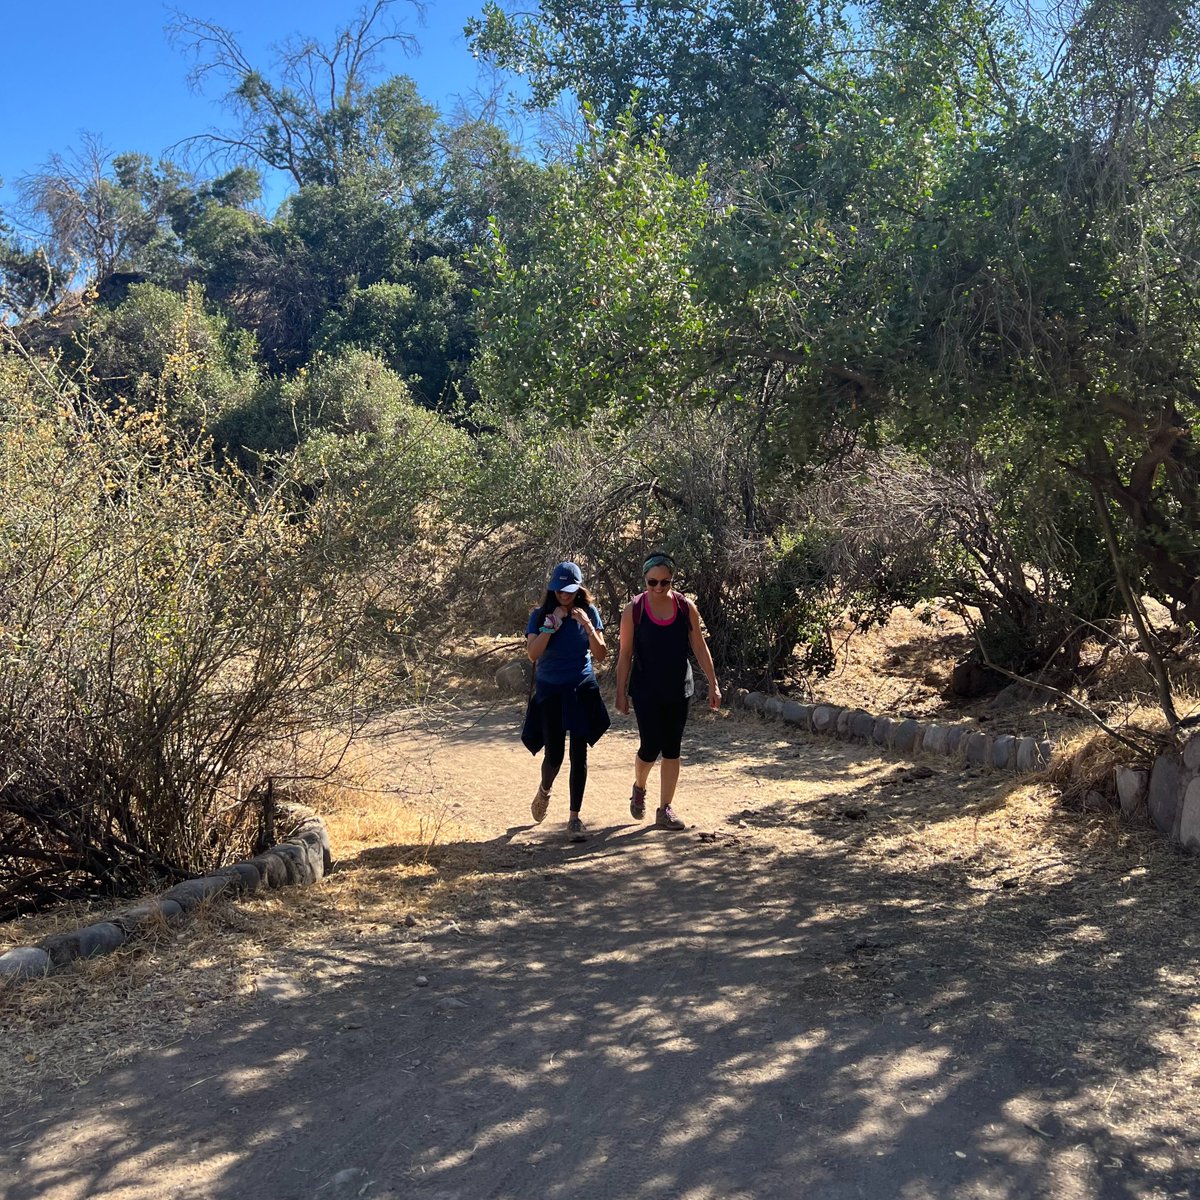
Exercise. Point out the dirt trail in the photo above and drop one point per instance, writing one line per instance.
(864, 980)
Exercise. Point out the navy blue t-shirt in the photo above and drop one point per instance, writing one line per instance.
(567, 659)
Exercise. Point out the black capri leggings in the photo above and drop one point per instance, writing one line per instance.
(555, 737)
(660, 726)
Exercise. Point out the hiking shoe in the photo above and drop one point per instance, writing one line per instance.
(541, 802)
(665, 818)
(575, 829)
(637, 803)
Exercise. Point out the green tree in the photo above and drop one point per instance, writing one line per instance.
(97, 216)
(29, 282)
(314, 116)
(605, 308)
(963, 245)
(729, 80)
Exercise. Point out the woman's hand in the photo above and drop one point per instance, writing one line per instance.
(623, 704)
(714, 696)
(584, 620)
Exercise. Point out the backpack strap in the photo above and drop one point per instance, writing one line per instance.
(685, 604)
(639, 605)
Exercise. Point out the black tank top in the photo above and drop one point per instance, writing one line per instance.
(661, 670)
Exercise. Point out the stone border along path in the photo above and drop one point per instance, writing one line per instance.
(304, 857)
(906, 736)
(1167, 793)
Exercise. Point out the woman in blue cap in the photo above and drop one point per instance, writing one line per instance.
(564, 637)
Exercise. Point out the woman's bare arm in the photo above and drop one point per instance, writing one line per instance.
(703, 655)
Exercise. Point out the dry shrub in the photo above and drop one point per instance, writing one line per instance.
(170, 631)
(1086, 760)
(755, 551)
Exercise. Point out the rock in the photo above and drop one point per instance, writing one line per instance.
(314, 832)
(842, 725)
(1189, 817)
(252, 876)
(451, 1002)
(1165, 793)
(102, 938)
(273, 869)
(755, 701)
(296, 862)
(1191, 753)
(862, 725)
(824, 718)
(739, 697)
(907, 736)
(514, 677)
(934, 741)
(978, 748)
(773, 707)
(1026, 757)
(422, 981)
(195, 891)
(795, 713)
(312, 858)
(409, 920)
(956, 735)
(1096, 802)
(881, 733)
(970, 678)
(1132, 784)
(152, 912)
(24, 962)
(1004, 752)
(237, 882)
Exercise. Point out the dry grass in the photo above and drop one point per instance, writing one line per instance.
(901, 666)
(393, 863)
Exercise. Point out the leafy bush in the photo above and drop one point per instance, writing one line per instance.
(163, 349)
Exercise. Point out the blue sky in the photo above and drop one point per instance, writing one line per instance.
(75, 67)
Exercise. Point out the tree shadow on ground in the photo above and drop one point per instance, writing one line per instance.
(651, 1018)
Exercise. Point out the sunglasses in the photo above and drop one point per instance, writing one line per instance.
(657, 583)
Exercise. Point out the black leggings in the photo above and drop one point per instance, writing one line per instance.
(556, 740)
(660, 726)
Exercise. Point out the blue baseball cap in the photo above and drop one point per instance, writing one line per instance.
(566, 577)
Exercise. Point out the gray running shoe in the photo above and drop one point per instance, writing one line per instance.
(575, 829)
(665, 818)
(541, 802)
(637, 803)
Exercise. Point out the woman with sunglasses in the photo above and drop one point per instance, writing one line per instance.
(564, 637)
(657, 630)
